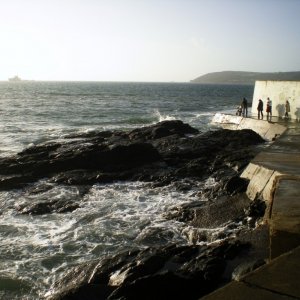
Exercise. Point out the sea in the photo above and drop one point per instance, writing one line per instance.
(38, 250)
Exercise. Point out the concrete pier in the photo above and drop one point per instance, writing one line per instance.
(274, 176)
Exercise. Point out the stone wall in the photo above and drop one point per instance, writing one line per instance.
(267, 130)
(278, 92)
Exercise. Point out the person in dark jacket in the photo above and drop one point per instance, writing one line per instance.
(260, 108)
(244, 107)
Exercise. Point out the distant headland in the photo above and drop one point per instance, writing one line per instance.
(239, 77)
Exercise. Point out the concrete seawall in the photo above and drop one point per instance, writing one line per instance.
(268, 130)
(274, 176)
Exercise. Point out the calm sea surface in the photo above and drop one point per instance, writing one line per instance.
(37, 250)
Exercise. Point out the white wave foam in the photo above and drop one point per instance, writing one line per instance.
(210, 182)
(204, 114)
(161, 117)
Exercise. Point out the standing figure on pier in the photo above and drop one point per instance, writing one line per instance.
(287, 108)
(260, 108)
(269, 109)
(245, 107)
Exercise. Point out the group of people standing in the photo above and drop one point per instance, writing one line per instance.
(260, 108)
(242, 109)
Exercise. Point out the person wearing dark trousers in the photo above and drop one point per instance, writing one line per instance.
(244, 107)
(260, 108)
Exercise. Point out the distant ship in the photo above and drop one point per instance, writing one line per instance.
(15, 79)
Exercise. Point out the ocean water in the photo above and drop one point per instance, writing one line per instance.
(37, 250)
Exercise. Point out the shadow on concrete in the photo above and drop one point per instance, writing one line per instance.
(281, 110)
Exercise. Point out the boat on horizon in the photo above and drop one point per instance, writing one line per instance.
(15, 79)
(18, 79)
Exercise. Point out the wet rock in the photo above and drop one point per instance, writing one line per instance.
(163, 153)
(51, 206)
(255, 212)
(16, 181)
(259, 238)
(211, 214)
(162, 129)
(179, 272)
(236, 185)
(246, 267)
(256, 209)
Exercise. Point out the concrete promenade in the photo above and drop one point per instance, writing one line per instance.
(274, 176)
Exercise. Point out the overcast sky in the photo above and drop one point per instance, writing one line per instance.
(146, 40)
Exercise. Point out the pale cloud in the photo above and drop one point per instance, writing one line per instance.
(199, 43)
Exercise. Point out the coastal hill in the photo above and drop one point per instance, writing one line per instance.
(238, 77)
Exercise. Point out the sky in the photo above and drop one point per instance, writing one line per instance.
(146, 40)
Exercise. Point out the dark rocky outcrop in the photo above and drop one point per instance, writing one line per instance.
(58, 206)
(110, 155)
(170, 272)
(161, 154)
(164, 153)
